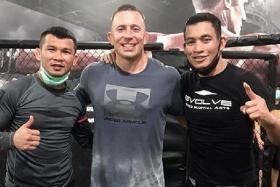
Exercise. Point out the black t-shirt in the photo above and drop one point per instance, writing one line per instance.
(221, 136)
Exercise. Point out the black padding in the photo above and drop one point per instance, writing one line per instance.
(3, 156)
(174, 153)
(176, 59)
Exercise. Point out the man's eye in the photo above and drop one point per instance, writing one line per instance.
(136, 29)
(67, 52)
(120, 29)
(190, 42)
(206, 40)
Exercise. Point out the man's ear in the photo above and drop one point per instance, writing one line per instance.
(110, 38)
(146, 37)
(38, 54)
(223, 42)
(76, 58)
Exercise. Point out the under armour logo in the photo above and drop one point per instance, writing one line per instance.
(126, 103)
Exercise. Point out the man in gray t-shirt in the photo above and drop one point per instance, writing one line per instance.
(38, 114)
(130, 100)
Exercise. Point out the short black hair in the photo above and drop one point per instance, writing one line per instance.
(202, 17)
(59, 32)
(127, 7)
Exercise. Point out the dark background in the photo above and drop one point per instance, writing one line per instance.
(90, 19)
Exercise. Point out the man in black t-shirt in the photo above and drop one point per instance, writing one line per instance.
(221, 136)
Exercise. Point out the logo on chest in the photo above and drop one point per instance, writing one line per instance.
(207, 101)
(124, 104)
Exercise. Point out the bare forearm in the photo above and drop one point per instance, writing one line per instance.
(272, 127)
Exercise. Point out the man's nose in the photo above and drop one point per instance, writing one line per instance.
(197, 47)
(128, 33)
(58, 55)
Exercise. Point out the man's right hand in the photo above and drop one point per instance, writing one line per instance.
(26, 138)
(256, 107)
(109, 58)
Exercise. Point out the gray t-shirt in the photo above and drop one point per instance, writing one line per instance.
(129, 113)
(55, 113)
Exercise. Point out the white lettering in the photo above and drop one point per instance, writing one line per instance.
(220, 103)
(215, 102)
(226, 103)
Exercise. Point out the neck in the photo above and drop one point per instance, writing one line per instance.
(133, 66)
(57, 87)
(221, 66)
(52, 81)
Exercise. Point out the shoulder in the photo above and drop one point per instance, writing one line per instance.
(20, 84)
(95, 69)
(239, 71)
(16, 88)
(96, 66)
(243, 74)
(157, 65)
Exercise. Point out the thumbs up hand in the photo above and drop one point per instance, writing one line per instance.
(26, 138)
(256, 107)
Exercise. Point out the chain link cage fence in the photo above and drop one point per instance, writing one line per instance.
(264, 65)
(17, 59)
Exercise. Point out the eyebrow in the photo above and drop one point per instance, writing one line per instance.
(124, 25)
(65, 48)
(202, 36)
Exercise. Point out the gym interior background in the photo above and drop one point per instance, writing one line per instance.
(17, 59)
(90, 21)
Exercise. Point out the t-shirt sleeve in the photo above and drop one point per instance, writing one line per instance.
(8, 98)
(81, 89)
(177, 102)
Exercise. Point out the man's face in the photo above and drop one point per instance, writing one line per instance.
(201, 44)
(235, 15)
(56, 55)
(128, 34)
